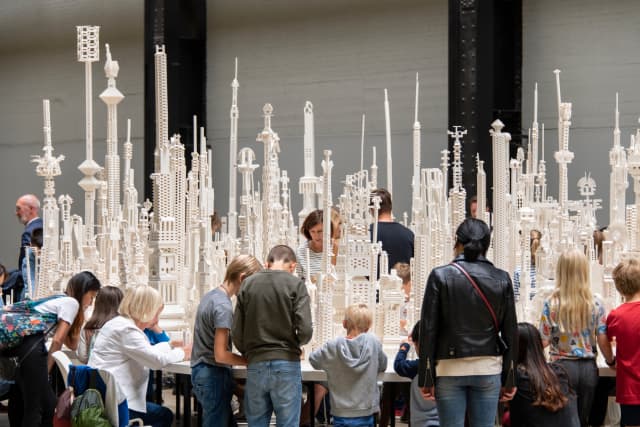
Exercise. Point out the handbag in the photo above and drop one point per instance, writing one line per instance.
(62, 414)
(502, 346)
(9, 365)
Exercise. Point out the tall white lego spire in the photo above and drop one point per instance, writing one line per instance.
(48, 167)
(457, 193)
(618, 186)
(563, 156)
(88, 52)
(500, 144)
(415, 200)
(387, 122)
(309, 182)
(232, 224)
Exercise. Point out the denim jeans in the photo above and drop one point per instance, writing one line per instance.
(273, 386)
(583, 378)
(213, 387)
(353, 421)
(156, 415)
(476, 394)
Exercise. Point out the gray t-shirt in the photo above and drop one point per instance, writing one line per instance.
(214, 311)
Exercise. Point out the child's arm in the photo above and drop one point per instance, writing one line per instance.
(320, 357)
(382, 359)
(402, 366)
(237, 329)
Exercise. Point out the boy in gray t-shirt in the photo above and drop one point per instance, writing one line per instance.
(211, 356)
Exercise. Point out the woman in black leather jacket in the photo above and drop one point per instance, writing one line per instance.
(466, 365)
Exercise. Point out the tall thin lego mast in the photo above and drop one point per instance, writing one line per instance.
(563, 156)
(89, 52)
(232, 225)
(48, 167)
(534, 135)
(415, 200)
(387, 122)
(618, 186)
(308, 183)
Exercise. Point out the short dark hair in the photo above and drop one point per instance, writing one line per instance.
(313, 219)
(475, 236)
(385, 199)
(281, 253)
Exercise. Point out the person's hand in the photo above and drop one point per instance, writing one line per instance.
(403, 324)
(428, 393)
(187, 351)
(507, 394)
(156, 328)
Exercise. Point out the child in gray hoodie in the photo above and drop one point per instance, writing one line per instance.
(352, 364)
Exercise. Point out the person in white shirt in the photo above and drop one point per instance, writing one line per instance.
(123, 349)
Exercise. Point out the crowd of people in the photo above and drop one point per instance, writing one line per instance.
(471, 351)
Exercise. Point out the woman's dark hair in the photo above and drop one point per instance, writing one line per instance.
(415, 334)
(105, 307)
(313, 219)
(545, 384)
(474, 235)
(78, 286)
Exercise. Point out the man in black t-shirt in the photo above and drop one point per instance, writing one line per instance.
(396, 239)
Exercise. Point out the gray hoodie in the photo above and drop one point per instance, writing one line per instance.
(352, 367)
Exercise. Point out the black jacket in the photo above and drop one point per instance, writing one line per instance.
(456, 323)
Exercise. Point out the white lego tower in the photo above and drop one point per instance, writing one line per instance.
(500, 144)
(48, 167)
(232, 223)
(416, 202)
(563, 156)
(88, 52)
(309, 183)
(457, 193)
(387, 122)
(271, 206)
(618, 187)
(111, 96)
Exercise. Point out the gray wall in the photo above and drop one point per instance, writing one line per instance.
(595, 44)
(38, 60)
(340, 56)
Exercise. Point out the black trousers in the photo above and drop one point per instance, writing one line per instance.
(31, 399)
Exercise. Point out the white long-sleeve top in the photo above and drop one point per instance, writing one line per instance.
(123, 349)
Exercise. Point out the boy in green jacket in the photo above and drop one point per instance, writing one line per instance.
(272, 321)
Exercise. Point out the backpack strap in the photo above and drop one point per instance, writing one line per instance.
(93, 379)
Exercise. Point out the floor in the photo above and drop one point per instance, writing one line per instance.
(170, 401)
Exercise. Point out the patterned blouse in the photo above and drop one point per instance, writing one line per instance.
(575, 344)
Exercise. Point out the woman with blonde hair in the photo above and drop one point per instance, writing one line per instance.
(123, 349)
(212, 358)
(572, 320)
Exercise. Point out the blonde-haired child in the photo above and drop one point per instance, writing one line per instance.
(352, 364)
(572, 320)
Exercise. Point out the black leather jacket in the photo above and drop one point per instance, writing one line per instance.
(456, 323)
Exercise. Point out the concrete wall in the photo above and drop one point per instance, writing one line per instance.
(595, 44)
(38, 60)
(340, 56)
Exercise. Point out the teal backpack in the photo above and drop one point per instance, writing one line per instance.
(21, 319)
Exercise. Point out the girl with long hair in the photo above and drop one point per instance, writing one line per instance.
(572, 320)
(105, 308)
(31, 399)
(544, 396)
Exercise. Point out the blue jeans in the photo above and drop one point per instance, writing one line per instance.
(273, 386)
(156, 415)
(476, 394)
(353, 421)
(213, 387)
